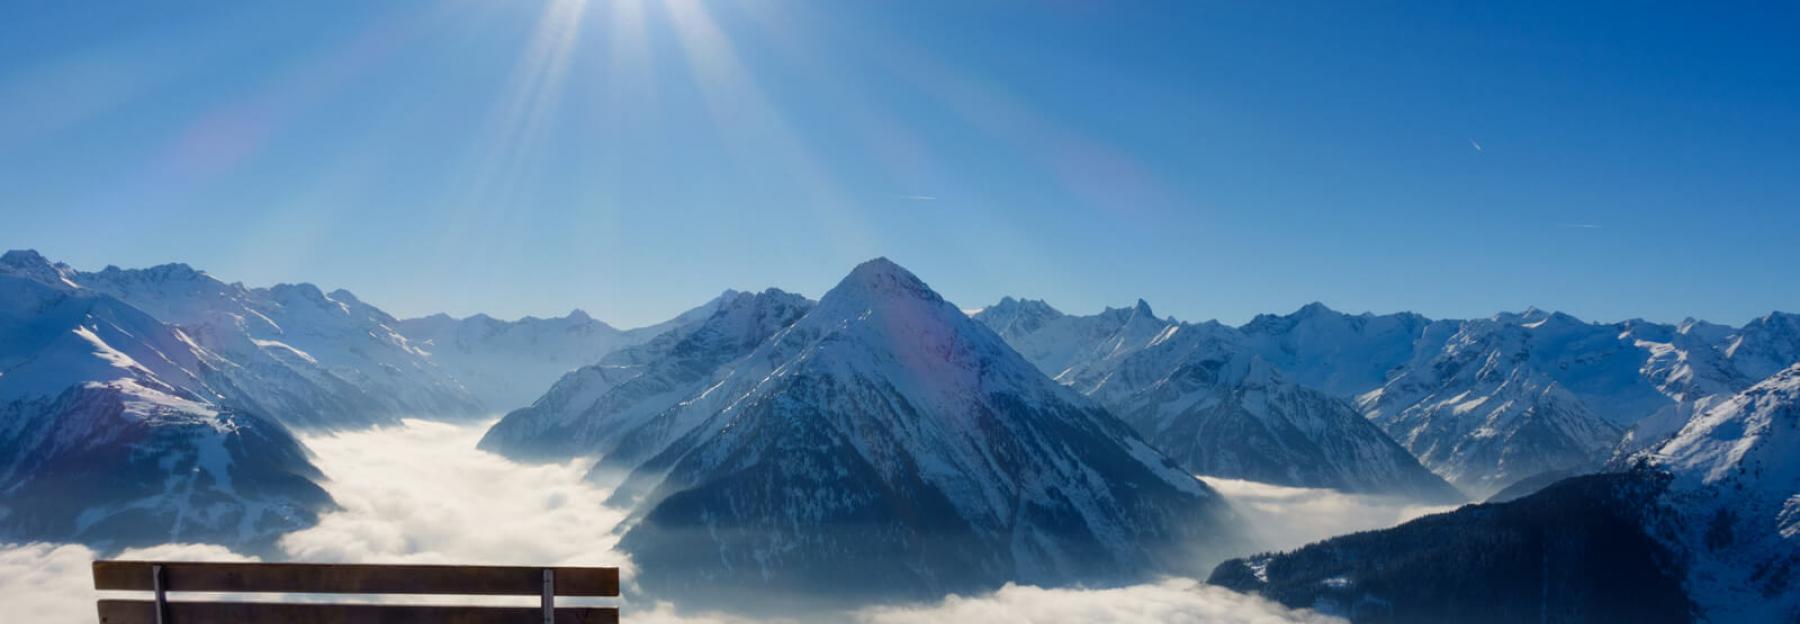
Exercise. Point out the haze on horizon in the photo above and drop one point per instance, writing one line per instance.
(635, 158)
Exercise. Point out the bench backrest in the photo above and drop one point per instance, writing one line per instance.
(162, 577)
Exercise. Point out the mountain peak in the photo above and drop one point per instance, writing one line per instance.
(23, 258)
(1774, 316)
(881, 267)
(1143, 309)
(1010, 304)
(1313, 309)
(29, 264)
(882, 278)
(173, 270)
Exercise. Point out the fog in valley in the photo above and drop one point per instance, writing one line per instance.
(422, 493)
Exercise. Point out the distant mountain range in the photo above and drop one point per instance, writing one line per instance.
(507, 364)
(767, 442)
(1203, 395)
(1483, 403)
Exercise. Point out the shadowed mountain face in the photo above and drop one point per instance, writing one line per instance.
(120, 466)
(1575, 552)
(886, 446)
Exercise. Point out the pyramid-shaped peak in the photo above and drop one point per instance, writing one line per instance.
(881, 268)
(881, 278)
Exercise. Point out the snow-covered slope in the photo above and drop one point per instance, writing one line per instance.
(1764, 346)
(1233, 415)
(1687, 363)
(1337, 353)
(293, 352)
(623, 407)
(1074, 350)
(1199, 393)
(886, 426)
(112, 431)
(1736, 496)
(1481, 411)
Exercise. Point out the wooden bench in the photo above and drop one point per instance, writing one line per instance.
(306, 578)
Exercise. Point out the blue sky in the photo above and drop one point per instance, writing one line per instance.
(1219, 159)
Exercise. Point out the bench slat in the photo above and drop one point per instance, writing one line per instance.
(144, 612)
(333, 578)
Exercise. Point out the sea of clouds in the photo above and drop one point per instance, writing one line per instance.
(422, 493)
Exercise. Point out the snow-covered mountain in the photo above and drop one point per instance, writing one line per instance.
(113, 429)
(1341, 354)
(1482, 411)
(295, 353)
(507, 364)
(1482, 402)
(1073, 350)
(1199, 393)
(886, 444)
(1764, 346)
(624, 408)
(1233, 415)
(1735, 500)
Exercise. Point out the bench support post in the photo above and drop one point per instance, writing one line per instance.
(549, 596)
(162, 599)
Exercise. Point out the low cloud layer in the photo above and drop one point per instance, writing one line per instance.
(1174, 601)
(1286, 518)
(421, 493)
(52, 583)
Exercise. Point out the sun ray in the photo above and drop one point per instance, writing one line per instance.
(514, 136)
(755, 126)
